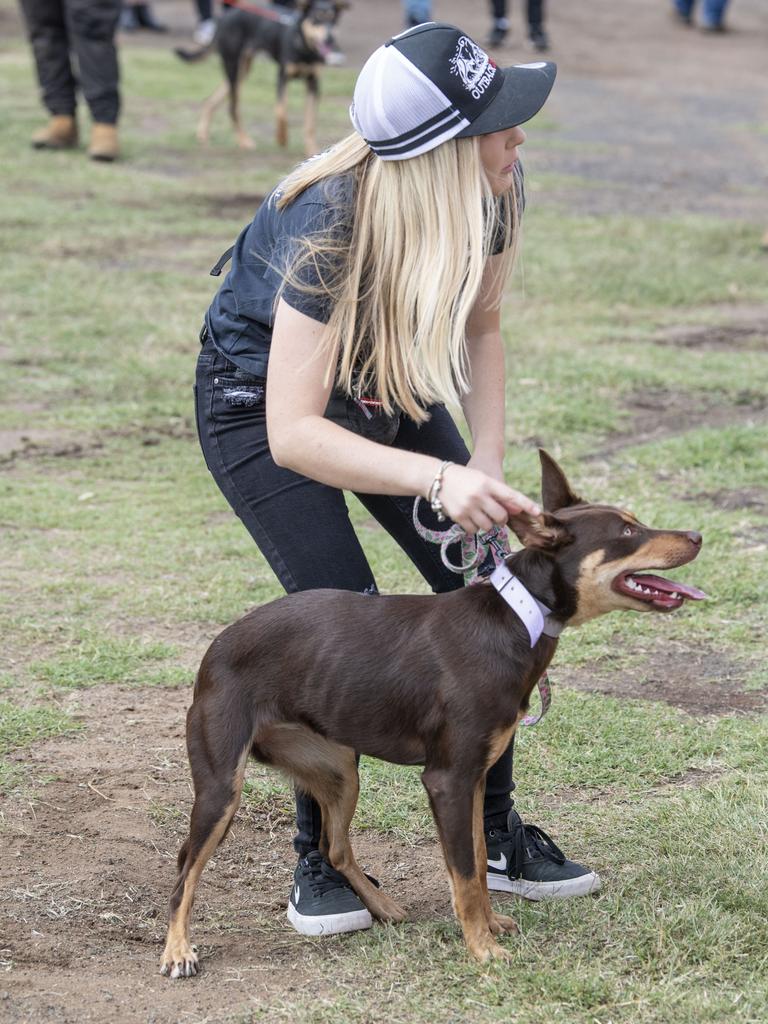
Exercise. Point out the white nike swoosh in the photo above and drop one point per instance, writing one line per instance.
(500, 863)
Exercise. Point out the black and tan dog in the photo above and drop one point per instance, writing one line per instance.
(300, 41)
(438, 680)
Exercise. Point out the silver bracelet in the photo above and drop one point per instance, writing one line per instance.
(433, 496)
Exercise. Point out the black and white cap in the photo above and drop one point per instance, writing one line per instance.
(434, 83)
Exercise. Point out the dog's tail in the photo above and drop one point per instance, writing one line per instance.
(193, 56)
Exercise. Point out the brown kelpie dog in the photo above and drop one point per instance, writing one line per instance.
(308, 681)
(300, 41)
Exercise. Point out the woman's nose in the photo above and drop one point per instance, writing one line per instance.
(517, 136)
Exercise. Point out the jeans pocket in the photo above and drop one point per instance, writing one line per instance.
(235, 393)
(362, 418)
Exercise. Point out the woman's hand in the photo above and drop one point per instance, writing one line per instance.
(477, 501)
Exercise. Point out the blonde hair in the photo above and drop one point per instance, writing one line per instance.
(403, 285)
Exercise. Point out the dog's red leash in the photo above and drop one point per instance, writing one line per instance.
(475, 548)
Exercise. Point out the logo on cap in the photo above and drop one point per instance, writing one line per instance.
(473, 66)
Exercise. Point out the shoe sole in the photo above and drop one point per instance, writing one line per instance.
(330, 924)
(581, 886)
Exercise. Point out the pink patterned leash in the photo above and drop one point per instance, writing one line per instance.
(475, 548)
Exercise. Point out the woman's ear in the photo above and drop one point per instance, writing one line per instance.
(544, 531)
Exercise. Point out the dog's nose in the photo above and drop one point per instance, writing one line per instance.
(694, 538)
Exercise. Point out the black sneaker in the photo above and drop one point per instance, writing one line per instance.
(322, 902)
(540, 39)
(497, 36)
(523, 860)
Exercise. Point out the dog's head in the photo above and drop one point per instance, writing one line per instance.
(318, 19)
(603, 554)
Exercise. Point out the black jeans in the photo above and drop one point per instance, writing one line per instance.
(303, 528)
(73, 42)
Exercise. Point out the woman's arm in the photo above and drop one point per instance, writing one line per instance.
(302, 440)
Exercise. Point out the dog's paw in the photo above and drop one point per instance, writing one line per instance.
(507, 925)
(486, 949)
(385, 909)
(181, 963)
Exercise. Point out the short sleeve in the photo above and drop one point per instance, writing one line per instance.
(310, 278)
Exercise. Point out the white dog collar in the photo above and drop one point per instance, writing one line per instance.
(532, 612)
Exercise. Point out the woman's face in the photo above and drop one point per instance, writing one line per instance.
(498, 153)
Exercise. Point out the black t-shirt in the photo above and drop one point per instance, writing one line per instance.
(241, 316)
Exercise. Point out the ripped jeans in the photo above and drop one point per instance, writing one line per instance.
(302, 527)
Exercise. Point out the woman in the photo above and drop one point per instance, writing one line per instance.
(363, 297)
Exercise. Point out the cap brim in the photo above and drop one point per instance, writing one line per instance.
(522, 95)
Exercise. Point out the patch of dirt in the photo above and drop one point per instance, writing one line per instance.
(26, 443)
(30, 444)
(718, 337)
(87, 871)
(700, 681)
(239, 203)
(661, 412)
(753, 498)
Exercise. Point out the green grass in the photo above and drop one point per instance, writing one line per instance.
(120, 557)
(22, 726)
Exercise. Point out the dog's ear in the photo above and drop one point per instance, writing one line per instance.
(544, 531)
(555, 490)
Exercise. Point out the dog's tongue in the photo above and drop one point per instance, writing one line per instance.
(669, 586)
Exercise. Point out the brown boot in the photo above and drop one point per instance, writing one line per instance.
(59, 133)
(104, 144)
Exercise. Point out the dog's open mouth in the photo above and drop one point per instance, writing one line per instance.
(665, 595)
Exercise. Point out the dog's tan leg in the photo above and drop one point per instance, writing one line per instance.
(452, 802)
(217, 797)
(210, 107)
(281, 113)
(243, 139)
(310, 120)
(499, 924)
(338, 811)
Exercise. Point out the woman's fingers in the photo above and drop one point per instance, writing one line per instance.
(478, 502)
(517, 503)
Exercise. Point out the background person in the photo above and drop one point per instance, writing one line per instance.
(712, 13)
(137, 15)
(73, 43)
(363, 296)
(535, 20)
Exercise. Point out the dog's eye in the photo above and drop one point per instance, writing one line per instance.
(628, 531)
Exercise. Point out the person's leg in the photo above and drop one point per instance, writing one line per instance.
(416, 12)
(684, 9)
(206, 23)
(92, 25)
(499, 23)
(47, 32)
(712, 14)
(536, 31)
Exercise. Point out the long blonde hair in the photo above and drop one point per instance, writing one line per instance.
(404, 284)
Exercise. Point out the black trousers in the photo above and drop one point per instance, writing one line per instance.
(535, 11)
(73, 43)
(302, 527)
